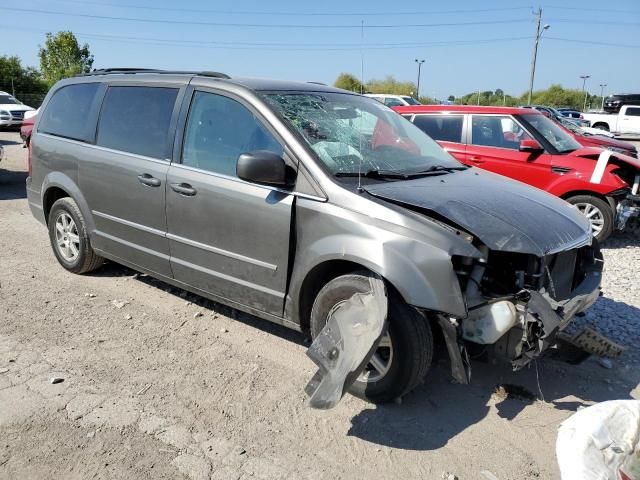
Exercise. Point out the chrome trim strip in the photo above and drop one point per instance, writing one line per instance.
(128, 223)
(132, 245)
(219, 251)
(186, 241)
(228, 278)
(105, 149)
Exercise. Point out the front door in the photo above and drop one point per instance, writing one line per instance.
(495, 146)
(228, 237)
(123, 178)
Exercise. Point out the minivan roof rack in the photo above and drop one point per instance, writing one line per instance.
(113, 71)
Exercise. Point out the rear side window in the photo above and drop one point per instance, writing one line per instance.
(136, 120)
(445, 128)
(67, 113)
(633, 112)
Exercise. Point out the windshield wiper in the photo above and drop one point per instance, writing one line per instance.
(375, 174)
(439, 168)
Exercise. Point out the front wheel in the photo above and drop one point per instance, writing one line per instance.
(598, 212)
(404, 354)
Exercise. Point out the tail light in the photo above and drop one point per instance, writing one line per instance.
(581, 117)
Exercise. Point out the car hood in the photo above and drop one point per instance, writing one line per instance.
(598, 139)
(594, 153)
(504, 214)
(14, 107)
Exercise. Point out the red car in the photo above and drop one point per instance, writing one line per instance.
(527, 146)
(27, 128)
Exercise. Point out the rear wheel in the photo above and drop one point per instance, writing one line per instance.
(601, 126)
(70, 239)
(598, 212)
(404, 354)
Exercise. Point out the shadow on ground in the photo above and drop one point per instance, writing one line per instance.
(432, 415)
(12, 184)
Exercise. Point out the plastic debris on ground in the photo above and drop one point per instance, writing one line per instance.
(346, 343)
(601, 442)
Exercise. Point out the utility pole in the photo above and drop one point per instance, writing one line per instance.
(13, 90)
(478, 97)
(602, 85)
(535, 52)
(419, 62)
(584, 81)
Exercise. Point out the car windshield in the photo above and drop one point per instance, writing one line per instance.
(553, 133)
(411, 101)
(8, 100)
(352, 134)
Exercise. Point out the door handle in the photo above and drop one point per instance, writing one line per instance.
(475, 159)
(148, 180)
(183, 189)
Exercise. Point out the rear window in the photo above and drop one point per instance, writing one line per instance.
(446, 128)
(136, 120)
(634, 112)
(67, 113)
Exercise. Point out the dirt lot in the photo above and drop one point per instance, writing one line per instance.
(160, 384)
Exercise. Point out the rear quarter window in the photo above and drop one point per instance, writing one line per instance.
(136, 120)
(67, 112)
(445, 128)
(633, 112)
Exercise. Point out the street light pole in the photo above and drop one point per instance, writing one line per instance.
(535, 52)
(584, 81)
(419, 62)
(602, 85)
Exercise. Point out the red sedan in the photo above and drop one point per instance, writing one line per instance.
(527, 146)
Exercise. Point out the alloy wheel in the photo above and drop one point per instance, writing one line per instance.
(67, 239)
(595, 216)
(380, 362)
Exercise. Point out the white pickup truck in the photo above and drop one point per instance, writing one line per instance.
(626, 121)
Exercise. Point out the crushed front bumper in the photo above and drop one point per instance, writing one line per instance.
(627, 209)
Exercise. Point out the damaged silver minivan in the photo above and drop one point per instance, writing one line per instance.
(288, 200)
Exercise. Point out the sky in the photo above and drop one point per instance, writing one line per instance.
(467, 45)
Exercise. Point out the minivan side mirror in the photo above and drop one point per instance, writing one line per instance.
(262, 167)
(530, 145)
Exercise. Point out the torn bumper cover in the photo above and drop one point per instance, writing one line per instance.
(346, 343)
(627, 209)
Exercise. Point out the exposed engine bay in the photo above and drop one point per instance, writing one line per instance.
(517, 302)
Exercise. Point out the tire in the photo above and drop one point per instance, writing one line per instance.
(71, 246)
(602, 126)
(409, 335)
(587, 204)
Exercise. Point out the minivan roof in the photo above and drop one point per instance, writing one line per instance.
(247, 82)
(465, 109)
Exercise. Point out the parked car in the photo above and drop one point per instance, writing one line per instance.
(11, 110)
(27, 126)
(613, 103)
(592, 137)
(283, 199)
(625, 122)
(393, 100)
(555, 114)
(525, 145)
(570, 113)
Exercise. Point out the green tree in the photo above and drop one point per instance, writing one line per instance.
(63, 57)
(556, 96)
(451, 98)
(22, 81)
(392, 86)
(349, 82)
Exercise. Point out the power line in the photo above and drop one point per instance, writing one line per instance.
(588, 9)
(295, 14)
(593, 22)
(260, 25)
(605, 44)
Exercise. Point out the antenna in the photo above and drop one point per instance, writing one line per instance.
(361, 92)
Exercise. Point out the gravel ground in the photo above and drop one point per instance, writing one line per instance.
(158, 383)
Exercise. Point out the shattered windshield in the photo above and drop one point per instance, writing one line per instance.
(352, 134)
(552, 132)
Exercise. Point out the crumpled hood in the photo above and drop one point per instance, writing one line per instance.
(504, 214)
(594, 153)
